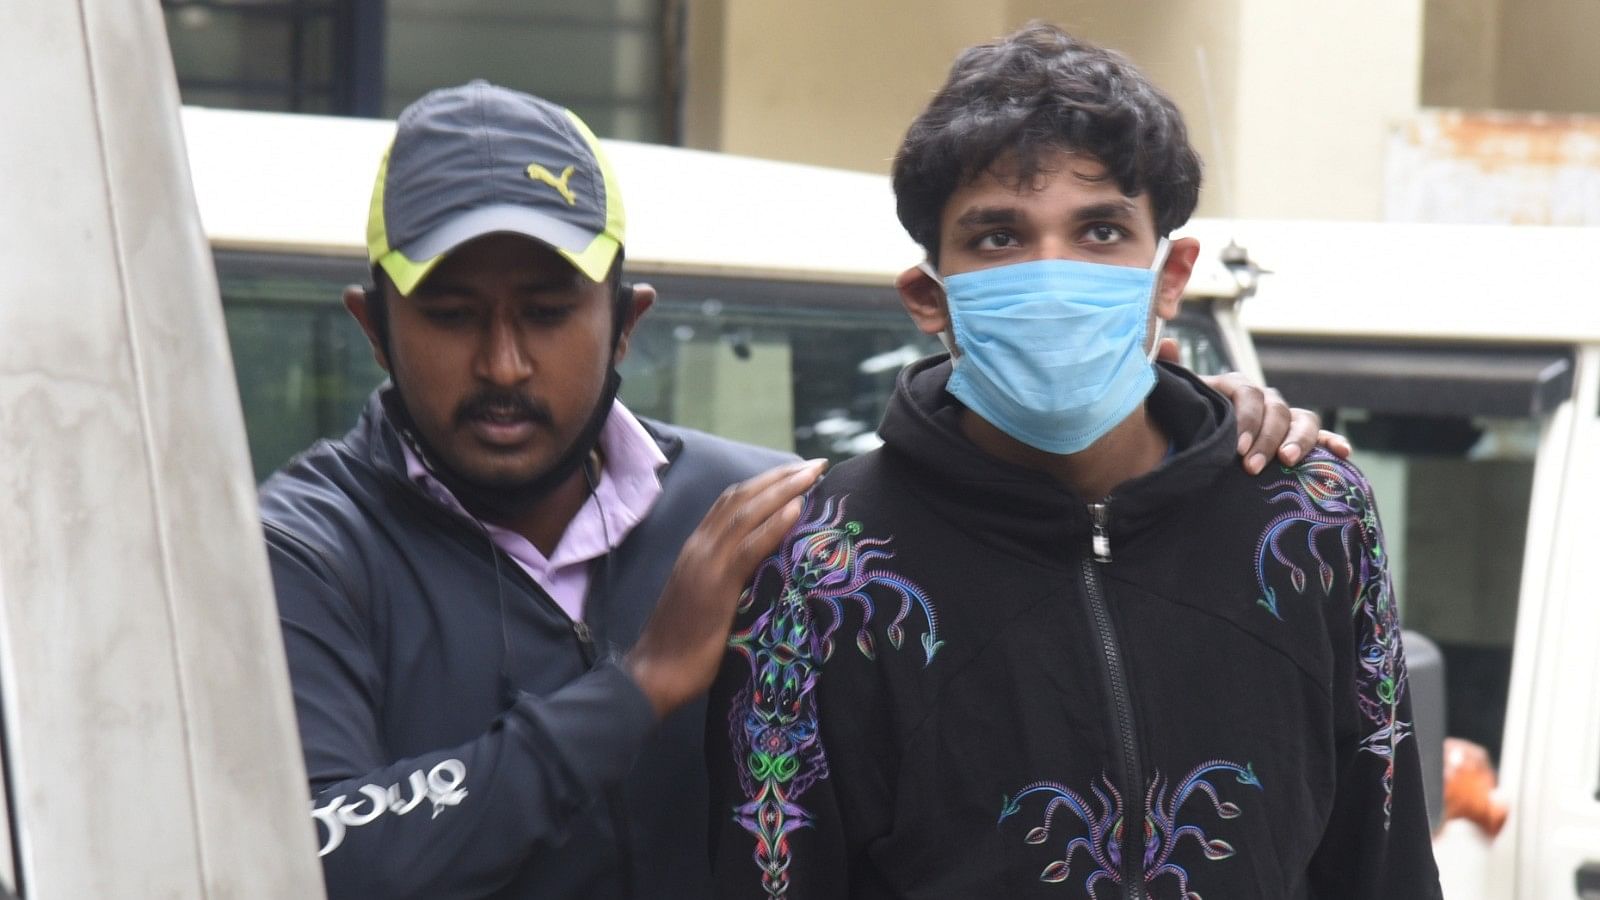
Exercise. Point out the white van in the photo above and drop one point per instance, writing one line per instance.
(777, 323)
(1464, 362)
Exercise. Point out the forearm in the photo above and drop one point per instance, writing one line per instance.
(459, 822)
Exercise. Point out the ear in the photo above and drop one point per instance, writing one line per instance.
(357, 303)
(1174, 276)
(644, 297)
(924, 300)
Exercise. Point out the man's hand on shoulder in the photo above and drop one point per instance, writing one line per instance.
(1268, 425)
(682, 645)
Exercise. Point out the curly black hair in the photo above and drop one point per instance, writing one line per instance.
(1027, 95)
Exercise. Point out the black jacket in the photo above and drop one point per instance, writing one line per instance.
(956, 680)
(462, 736)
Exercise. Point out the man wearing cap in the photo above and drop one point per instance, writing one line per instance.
(501, 593)
(456, 576)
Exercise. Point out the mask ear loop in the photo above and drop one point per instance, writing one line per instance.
(1156, 266)
(944, 336)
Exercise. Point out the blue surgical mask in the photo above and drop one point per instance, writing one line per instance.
(1054, 352)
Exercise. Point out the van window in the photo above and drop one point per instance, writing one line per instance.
(1453, 493)
(796, 366)
(1448, 434)
(303, 366)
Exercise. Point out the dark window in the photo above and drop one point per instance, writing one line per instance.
(603, 59)
(1448, 436)
(614, 62)
(802, 367)
(303, 366)
(1454, 493)
(278, 55)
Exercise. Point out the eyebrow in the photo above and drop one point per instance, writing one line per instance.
(983, 216)
(434, 288)
(988, 216)
(1110, 209)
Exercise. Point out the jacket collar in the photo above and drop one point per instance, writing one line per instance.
(376, 438)
(1024, 507)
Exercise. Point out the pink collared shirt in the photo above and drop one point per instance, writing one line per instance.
(629, 486)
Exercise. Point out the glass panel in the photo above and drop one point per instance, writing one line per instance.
(601, 59)
(813, 384)
(1199, 349)
(226, 98)
(211, 44)
(240, 55)
(303, 366)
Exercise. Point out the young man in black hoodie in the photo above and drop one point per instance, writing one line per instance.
(502, 593)
(1051, 640)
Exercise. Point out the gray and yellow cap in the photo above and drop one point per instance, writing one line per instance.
(479, 159)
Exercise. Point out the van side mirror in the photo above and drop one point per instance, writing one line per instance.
(1425, 675)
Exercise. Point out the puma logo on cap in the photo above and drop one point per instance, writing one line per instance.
(540, 173)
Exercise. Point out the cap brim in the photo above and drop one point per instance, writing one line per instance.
(591, 254)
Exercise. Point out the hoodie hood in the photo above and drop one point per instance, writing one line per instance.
(1021, 506)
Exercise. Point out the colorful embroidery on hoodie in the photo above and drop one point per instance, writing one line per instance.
(1101, 837)
(1324, 495)
(825, 566)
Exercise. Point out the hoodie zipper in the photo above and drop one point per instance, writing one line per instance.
(1116, 672)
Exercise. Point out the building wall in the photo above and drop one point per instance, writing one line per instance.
(1461, 53)
(1301, 95)
(1548, 57)
(1171, 40)
(1319, 87)
(821, 82)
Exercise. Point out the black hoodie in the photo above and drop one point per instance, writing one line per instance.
(463, 737)
(955, 680)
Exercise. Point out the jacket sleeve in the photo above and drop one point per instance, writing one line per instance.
(456, 822)
(1378, 843)
(776, 827)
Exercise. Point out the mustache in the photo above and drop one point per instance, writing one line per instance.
(503, 403)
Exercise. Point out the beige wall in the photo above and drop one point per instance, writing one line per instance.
(1163, 37)
(822, 82)
(1303, 94)
(1461, 53)
(1319, 86)
(1512, 54)
(1549, 56)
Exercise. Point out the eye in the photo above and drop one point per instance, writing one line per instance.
(996, 240)
(447, 316)
(1104, 233)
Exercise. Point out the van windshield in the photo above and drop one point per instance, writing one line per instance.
(802, 367)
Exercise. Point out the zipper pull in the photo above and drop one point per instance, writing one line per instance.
(581, 629)
(1100, 537)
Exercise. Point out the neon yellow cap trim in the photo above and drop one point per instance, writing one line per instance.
(377, 231)
(594, 261)
(406, 274)
(616, 219)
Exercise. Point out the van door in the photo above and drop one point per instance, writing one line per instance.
(1551, 764)
(149, 744)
